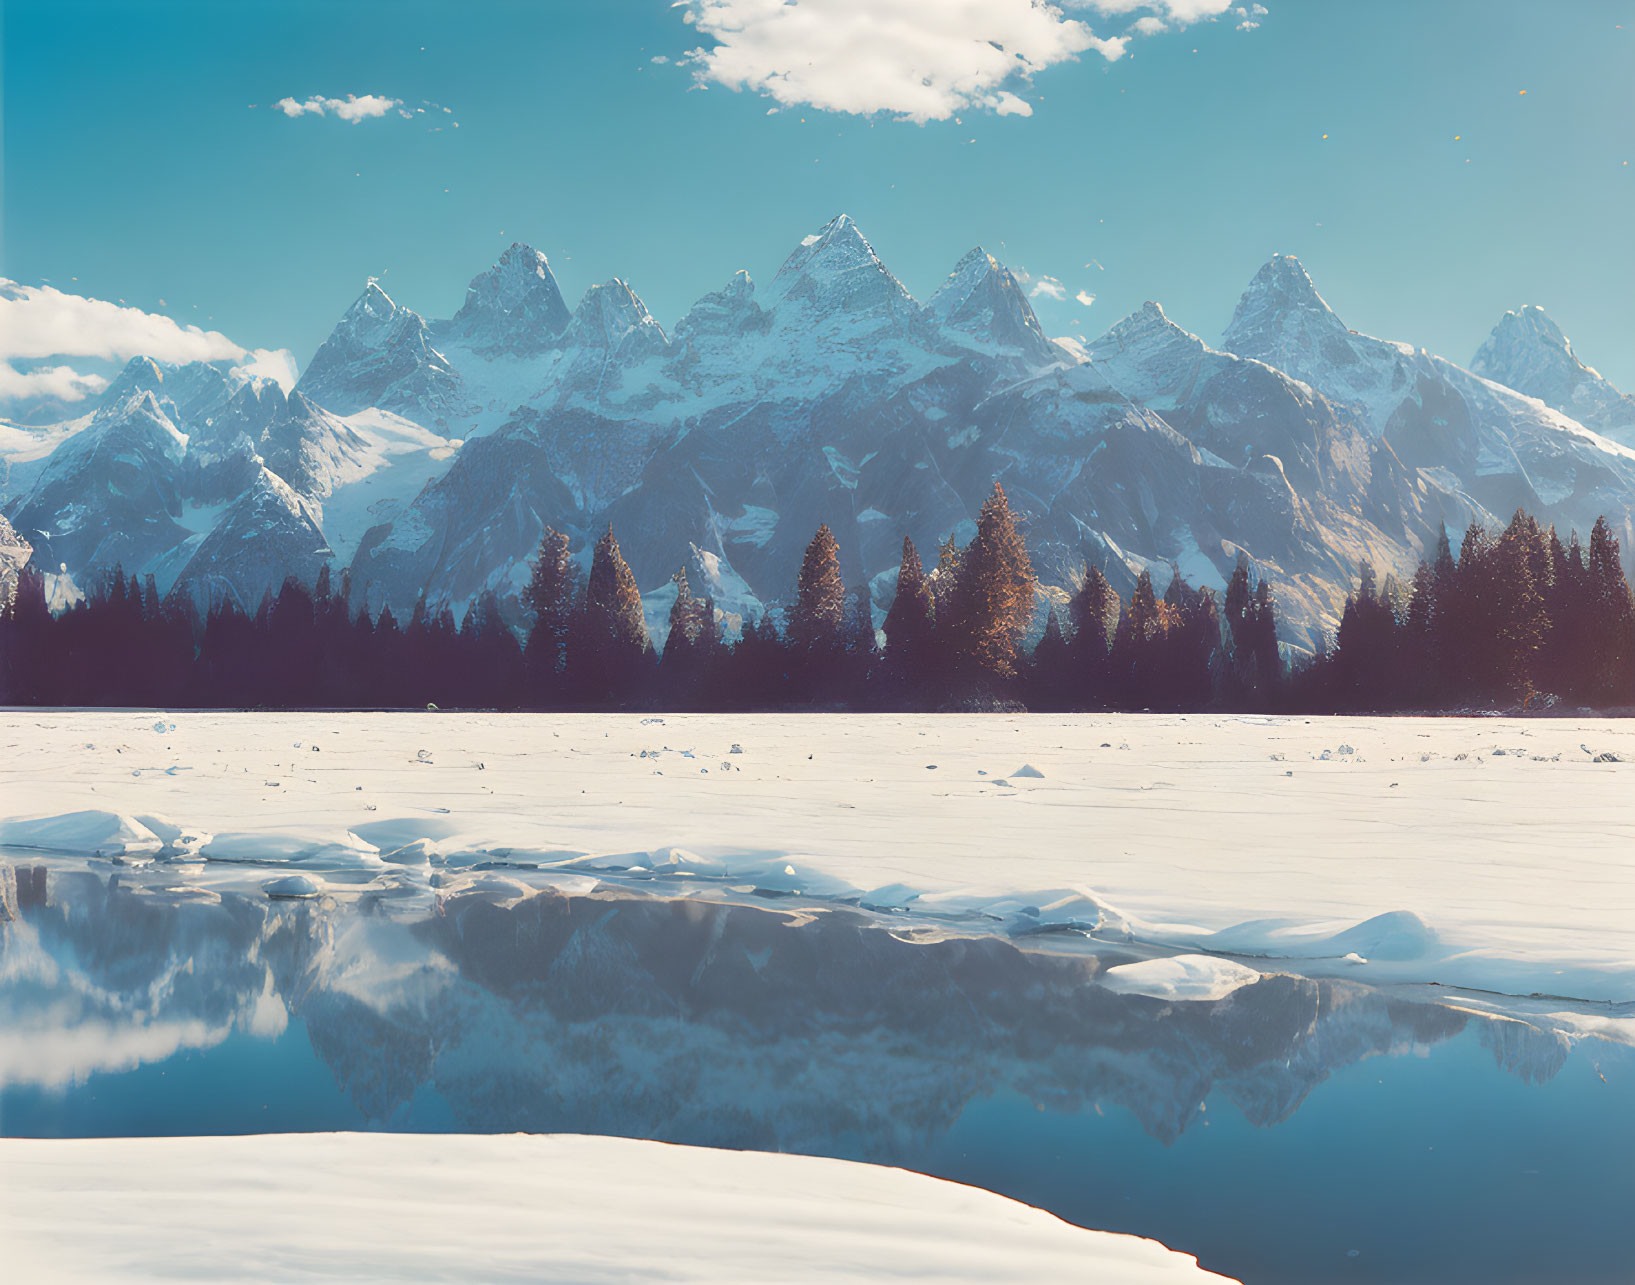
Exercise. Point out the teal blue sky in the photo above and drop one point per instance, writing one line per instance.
(136, 167)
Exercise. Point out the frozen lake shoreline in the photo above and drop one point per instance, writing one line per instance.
(290, 1207)
(1480, 853)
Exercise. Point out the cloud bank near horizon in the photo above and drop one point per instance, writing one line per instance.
(42, 323)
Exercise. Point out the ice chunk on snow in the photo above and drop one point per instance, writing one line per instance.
(1180, 977)
(421, 852)
(293, 886)
(679, 860)
(1027, 770)
(306, 843)
(178, 840)
(90, 833)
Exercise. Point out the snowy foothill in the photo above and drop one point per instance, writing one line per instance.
(351, 1206)
(1481, 853)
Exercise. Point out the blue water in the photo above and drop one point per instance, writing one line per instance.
(1298, 1132)
(1433, 1168)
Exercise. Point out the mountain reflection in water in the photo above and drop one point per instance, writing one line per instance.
(496, 1006)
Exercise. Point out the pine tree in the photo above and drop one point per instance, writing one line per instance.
(993, 598)
(613, 605)
(1094, 612)
(909, 623)
(1444, 613)
(1520, 560)
(553, 584)
(1268, 660)
(1049, 678)
(1147, 621)
(684, 622)
(820, 596)
(1612, 618)
(685, 644)
(550, 598)
(944, 576)
(607, 656)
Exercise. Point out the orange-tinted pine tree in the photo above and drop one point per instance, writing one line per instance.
(993, 597)
(820, 597)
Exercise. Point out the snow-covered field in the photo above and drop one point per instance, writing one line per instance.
(1474, 852)
(367, 1207)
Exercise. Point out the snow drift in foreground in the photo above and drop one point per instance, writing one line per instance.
(1481, 853)
(350, 1206)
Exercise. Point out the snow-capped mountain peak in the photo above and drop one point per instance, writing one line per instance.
(381, 355)
(1281, 310)
(186, 394)
(1528, 352)
(730, 310)
(514, 307)
(836, 269)
(1150, 359)
(982, 299)
(608, 314)
(374, 307)
(974, 268)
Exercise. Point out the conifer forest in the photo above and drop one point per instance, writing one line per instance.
(1518, 619)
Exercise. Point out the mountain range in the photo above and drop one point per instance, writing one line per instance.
(428, 456)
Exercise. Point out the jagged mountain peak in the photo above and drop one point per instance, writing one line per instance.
(1526, 341)
(187, 394)
(374, 304)
(515, 306)
(974, 267)
(1528, 352)
(729, 310)
(837, 268)
(983, 299)
(1147, 329)
(1150, 359)
(607, 314)
(380, 354)
(1280, 306)
(1529, 322)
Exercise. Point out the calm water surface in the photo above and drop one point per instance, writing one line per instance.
(1297, 1131)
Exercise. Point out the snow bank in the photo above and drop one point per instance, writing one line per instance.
(1482, 853)
(404, 1207)
(326, 844)
(87, 833)
(1180, 977)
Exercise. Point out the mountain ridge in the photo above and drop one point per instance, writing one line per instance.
(439, 450)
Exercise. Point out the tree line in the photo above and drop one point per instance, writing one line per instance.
(1519, 617)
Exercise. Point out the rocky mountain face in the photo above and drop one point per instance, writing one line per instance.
(428, 456)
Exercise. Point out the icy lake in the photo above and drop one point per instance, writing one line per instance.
(1333, 1000)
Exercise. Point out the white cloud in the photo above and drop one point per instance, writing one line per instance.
(276, 364)
(1250, 16)
(1148, 26)
(1085, 297)
(1050, 288)
(919, 60)
(1180, 12)
(41, 322)
(353, 107)
(62, 383)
